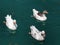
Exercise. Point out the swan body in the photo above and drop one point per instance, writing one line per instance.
(40, 18)
(10, 23)
(36, 34)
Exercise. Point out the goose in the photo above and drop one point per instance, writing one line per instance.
(10, 23)
(36, 34)
(40, 16)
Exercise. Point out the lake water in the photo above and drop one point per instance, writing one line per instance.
(21, 10)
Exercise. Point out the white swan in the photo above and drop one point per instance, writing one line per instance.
(10, 23)
(35, 33)
(40, 17)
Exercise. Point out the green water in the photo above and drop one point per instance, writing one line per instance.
(21, 10)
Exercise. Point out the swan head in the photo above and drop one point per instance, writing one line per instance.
(35, 11)
(8, 16)
(14, 20)
(45, 12)
(43, 33)
(32, 27)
